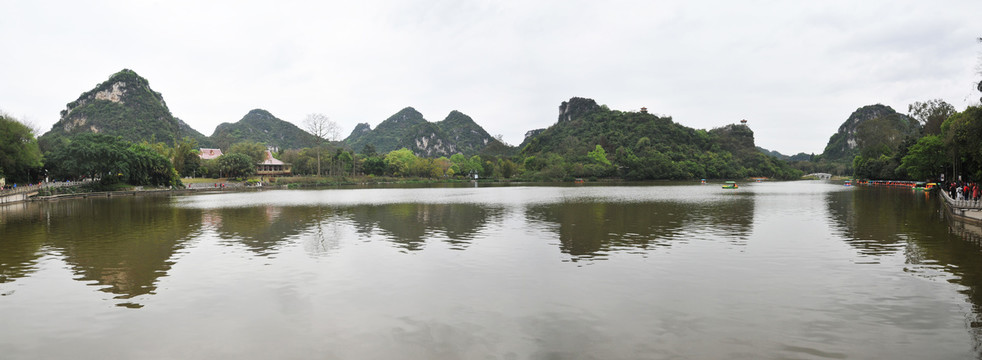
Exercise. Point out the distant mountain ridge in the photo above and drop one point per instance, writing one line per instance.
(126, 106)
(777, 155)
(260, 126)
(407, 128)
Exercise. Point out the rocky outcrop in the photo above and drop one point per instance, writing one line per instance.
(576, 107)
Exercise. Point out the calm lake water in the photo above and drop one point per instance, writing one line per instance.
(780, 270)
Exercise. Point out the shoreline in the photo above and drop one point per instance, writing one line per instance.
(209, 187)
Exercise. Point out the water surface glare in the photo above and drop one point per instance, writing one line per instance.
(773, 270)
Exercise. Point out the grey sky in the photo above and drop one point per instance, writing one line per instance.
(795, 70)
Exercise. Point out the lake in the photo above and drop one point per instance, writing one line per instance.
(772, 270)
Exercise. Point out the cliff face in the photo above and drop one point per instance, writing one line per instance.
(576, 107)
(124, 105)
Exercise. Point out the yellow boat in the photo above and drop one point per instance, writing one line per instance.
(730, 185)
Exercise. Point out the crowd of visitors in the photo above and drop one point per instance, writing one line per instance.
(963, 190)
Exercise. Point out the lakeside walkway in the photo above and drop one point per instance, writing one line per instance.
(29, 193)
(968, 210)
(25, 192)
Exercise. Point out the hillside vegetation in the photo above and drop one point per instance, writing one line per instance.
(124, 106)
(638, 145)
(587, 140)
(457, 133)
(260, 126)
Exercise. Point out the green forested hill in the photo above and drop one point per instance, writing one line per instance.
(640, 145)
(583, 124)
(469, 137)
(262, 127)
(457, 133)
(125, 106)
(388, 135)
(864, 124)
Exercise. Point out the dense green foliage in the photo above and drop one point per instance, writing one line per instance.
(925, 159)
(19, 153)
(236, 165)
(260, 126)
(110, 159)
(124, 106)
(962, 133)
(891, 146)
(185, 157)
(255, 151)
(881, 143)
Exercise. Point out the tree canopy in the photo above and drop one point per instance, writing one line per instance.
(110, 159)
(19, 153)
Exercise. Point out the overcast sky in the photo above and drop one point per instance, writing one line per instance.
(795, 70)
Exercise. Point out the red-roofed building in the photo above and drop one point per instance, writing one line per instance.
(209, 154)
(272, 166)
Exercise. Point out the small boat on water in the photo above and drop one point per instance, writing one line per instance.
(919, 186)
(704, 181)
(847, 183)
(730, 185)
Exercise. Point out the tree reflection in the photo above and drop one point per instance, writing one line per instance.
(122, 244)
(885, 221)
(262, 229)
(22, 241)
(594, 229)
(960, 254)
(409, 225)
(880, 221)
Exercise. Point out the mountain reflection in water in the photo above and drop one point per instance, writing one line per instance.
(120, 245)
(786, 270)
(591, 230)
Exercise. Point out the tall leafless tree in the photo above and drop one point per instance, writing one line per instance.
(323, 128)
